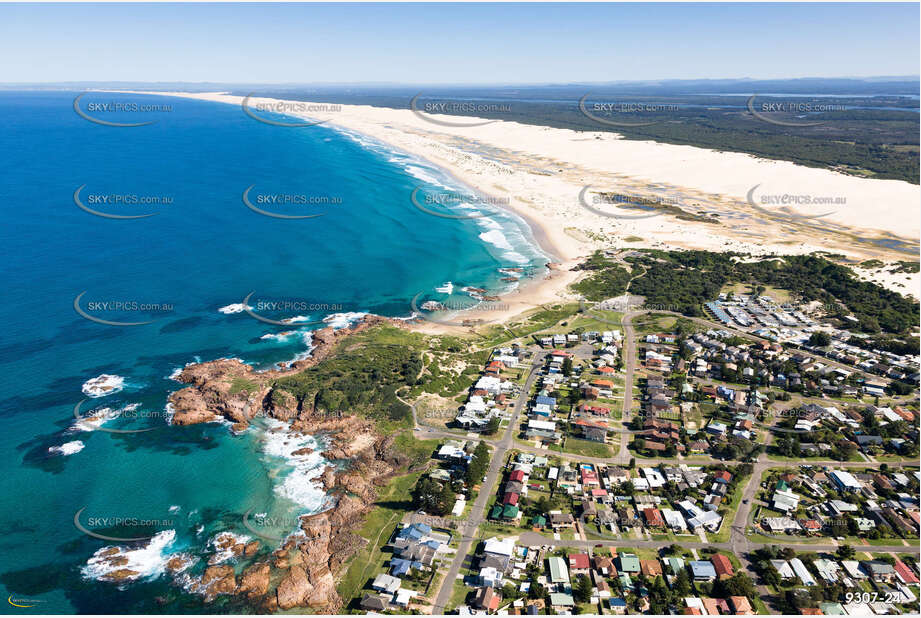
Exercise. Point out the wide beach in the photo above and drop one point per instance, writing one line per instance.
(554, 178)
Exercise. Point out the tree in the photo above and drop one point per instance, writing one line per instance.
(567, 366)
(492, 426)
(682, 583)
(845, 552)
(819, 340)
(658, 597)
(838, 527)
(478, 464)
(582, 591)
(739, 584)
(430, 496)
(632, 464)
(770, 575)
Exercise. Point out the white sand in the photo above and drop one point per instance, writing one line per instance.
(542, 170)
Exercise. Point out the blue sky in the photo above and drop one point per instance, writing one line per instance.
(451, 43)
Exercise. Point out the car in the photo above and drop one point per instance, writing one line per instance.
(745, 501)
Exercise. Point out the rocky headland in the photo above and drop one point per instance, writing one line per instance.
(303, 571)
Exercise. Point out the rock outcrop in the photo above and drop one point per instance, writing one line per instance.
(229, 388)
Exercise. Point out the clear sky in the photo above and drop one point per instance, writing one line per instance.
(453, 43)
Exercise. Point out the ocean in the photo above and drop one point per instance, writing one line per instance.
(101, 314)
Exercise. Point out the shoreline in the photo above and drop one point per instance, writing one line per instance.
(325, 539)
(541, 171)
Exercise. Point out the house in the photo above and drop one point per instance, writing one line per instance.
(561, 601)
(853, 569)
(844, 481)
(386, 583)
(629, 563)
(702, 570)
(880, 571)
(559, 574)
(904, 573)
(722, 566)
(783, 569)
(832, 609)
(741, 606)
(542, 430)
(402, 566)
(653, 518)
(650, 568)
(712, 606)
(595, 410)
(579, 564)
(596, 431)
(490, 576)
(618, 605)
(785, 500)
(374, 602)
(487, 599)
(802, 572)
(604, 565)
(827, 569)
(404, 596)
(559, 521)
(674, 520)
(711, 520)
(674, 565)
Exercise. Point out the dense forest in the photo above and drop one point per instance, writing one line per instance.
(868, 135)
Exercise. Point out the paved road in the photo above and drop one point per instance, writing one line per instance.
(469, 528)
(629, 353)
(533, 539)
(738, 543)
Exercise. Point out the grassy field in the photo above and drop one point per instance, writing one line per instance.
(377, 529)
(587, 448)
(382, 520)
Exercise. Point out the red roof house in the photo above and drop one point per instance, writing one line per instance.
(905, 574)
(722, 566)
(579, 562)
(653, 517)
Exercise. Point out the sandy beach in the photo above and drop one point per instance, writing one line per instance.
(555, 178)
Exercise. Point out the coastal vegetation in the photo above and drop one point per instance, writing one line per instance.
(859, 137)
(362, 376)
(684, 280)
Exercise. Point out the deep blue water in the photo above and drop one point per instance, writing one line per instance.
(371, 251)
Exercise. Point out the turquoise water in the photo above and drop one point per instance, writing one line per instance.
(203, 251)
